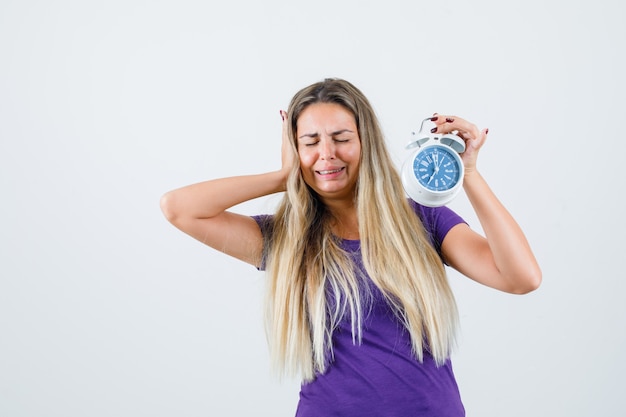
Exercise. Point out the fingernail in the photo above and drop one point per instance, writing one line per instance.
(433, 130)
(486, 131)
(449, 120)
(434, 119)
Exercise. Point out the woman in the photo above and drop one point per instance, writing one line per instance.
(358, 301)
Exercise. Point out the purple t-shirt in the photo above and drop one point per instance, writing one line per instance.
(381, 377)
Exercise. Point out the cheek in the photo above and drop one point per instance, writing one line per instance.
(353, 155)
(306, 159)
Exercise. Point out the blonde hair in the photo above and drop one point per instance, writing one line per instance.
(305, 261)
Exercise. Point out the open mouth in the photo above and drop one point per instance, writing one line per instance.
(330, 171)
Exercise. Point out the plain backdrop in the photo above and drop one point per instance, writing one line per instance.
(107, 310)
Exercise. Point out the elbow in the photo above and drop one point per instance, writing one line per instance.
(168, 207)
(529, 282)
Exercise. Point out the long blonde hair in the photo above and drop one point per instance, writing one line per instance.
(305, 261)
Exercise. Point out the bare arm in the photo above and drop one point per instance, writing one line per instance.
(503, 258)
(200, 210)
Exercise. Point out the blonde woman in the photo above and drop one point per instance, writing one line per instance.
(358, 302)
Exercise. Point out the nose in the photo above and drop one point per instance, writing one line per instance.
(327, 149)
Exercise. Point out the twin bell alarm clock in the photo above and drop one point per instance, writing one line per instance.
(432, 174)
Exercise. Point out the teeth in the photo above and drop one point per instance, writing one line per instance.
(330, 172)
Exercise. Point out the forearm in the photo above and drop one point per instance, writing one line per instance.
(509, 247)
(210, 198)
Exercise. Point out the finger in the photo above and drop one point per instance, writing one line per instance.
(283, 115)
(483, 137)
(289, 147)
(447, 123)
(477, 143)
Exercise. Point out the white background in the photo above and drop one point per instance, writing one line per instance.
(107, 310)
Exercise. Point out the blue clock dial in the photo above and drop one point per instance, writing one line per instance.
(436, 168)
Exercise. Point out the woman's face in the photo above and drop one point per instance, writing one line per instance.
(330, 149)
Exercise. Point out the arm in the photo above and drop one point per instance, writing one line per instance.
(503, 258)
(200, 210)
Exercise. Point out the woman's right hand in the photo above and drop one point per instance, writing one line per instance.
(202, 210)
(288, 154)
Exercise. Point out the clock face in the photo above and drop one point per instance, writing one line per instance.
(436, 168)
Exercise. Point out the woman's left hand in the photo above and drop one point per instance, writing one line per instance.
(474, 137)
(501, 259)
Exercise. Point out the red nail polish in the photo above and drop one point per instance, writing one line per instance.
(433, 130)
(449, 120)
(434, 119)
(486, 131)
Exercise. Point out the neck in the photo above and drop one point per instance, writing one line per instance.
(345, 223)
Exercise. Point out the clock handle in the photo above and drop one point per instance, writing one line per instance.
(418, 140)
(449, 139)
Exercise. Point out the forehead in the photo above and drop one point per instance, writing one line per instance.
(325, 116)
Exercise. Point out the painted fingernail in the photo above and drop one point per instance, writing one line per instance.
(434, 119)
(433, 130)
(449, 120)
(486, 131)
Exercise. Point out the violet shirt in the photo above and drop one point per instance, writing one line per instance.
(381, 377)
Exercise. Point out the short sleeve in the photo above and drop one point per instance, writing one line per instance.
(265, 222)
(437, 221)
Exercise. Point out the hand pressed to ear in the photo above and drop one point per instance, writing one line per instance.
(474, 138)
(287, 153)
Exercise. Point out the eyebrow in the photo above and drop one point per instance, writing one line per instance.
(314, 135)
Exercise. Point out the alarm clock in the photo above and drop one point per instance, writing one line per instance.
(432, 174)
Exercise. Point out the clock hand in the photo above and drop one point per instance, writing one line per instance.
(435, 160)
(440, 163)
